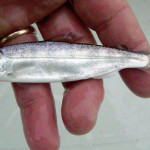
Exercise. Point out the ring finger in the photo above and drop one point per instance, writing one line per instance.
(37, 109)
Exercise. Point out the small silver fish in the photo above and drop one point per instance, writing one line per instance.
(60, 62)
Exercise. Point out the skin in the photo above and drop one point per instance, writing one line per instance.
(115, 25)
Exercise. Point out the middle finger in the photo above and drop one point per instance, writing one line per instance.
(82, 98)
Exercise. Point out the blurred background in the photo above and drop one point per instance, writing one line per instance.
(123, 122)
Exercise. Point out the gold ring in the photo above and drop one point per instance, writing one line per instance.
(15, 34)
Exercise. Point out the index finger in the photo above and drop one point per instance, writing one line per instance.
(116, 25)
(18, 14)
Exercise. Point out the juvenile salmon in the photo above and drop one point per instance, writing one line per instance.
(60, 62)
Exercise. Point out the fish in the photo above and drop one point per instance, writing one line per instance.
(47, 61)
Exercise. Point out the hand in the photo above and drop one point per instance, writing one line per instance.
(115, 25)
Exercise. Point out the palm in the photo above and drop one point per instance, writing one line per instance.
(114, 24)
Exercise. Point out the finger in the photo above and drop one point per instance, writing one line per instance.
(82, 99)
(116, 25)
(20, 14)
(37, 110)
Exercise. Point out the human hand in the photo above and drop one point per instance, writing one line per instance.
(115, 25)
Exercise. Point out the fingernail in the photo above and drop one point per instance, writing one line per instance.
(123, 47)
(58, 38)
(68, 37)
